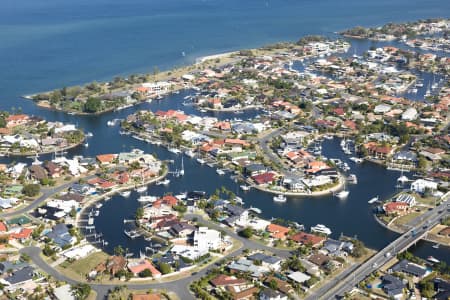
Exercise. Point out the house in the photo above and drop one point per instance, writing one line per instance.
(151, 296)
(269, 294)
(264, 178)
(206, 239)
(304, 238)
(18, 277)
(8, 266)
(61, 236)
(277, 231)
(182, 229)
(299, 277)
(106, 159)
(22, 234)
(246, 266)
(405, 266)
(271, 262)
(64, 292)
(319, 260)
(410, 114)
(311, 268)
(399, 208)
(139, 266)
(114, 264)
(37, 172)
(222, 281)
(421, 185)
(393, 286)
(16, 120)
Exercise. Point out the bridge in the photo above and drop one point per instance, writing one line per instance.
(336, 288)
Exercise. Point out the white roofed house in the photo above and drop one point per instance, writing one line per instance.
(206, 239)
(421, 185)
(410, 114)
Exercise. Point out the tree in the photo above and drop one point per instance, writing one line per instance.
(145, 273)
(246, 233)
(139, 213)
(81, 291)
(165, 268)
(31, 190)
(92, 105)
(119, 251)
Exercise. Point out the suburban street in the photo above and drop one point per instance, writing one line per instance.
(337, 288)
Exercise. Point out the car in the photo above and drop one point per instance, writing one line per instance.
(194, 273)
(388, 254)
(374, 265)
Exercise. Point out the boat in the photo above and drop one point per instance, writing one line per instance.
(163, 182)
(245, 187)
(141, 189)
(147, 199)
(96, 213)
(436, 246)
(36, 161)
(356, 159)
(373, 200)
(86, 144)
(342, 194)
(89, 134)
(220, 172)
(99, 205)
(201, 161)
(255, 210)
(433, 259)
(181, 172)
(127, 194)
(320, 228)
(174, 150)
(132, 234)
(190, 153)
(352, 179)
(279, 198)
(403, 179)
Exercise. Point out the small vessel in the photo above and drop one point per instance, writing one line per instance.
(36, 161)
(279, 198)
(141, 189)
(147, 199)
(183, 54)
(220, 172)
(96, 213)
(373, 200)
(320, 228)
(181, 172)
(255, 209)
(127, 194)
(342, 194)
(201, 161)
(99, 205)
(163, 182)
(174, 150)
(433, 259)
(89, 134)
(436, 246)
(352, 179)
(403, 179)
(245, 187)
(86, 144)
(190, 153)
(132, 234)
(356, 159)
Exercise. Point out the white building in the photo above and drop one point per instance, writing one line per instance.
(207, 239)
(382, 108)
(410, 114)
(420, 185)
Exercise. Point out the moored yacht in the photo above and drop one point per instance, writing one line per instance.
(279, 198)
(320, 228)
(245, 187)
(352, 179)
(147, 199)
(141, 189)
(163, 182)
(127, 194)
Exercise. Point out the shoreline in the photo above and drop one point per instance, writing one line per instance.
(9, 154)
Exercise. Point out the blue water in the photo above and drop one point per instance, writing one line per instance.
(49, 44)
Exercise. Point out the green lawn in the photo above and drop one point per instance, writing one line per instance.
(83, 266)
(403, 220)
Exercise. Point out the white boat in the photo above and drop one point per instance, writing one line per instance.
(342, 194)
(436, 246)
(279, 198)
(181, 172)
(99, 205)
(220, 172)
(201, 161)
(163, 182)
(356, 159)
(36, 161)
(141, 189)
(245, 187)
(89, 134)
(352, 179)
(320, 228)
(190, 153)
(147, 199)
(127, 194)
(174, 150)
(86, 144)
(373, 200)
(403, 179)
(255, 209)
(239, 200)
(433, 259)
(181, 196)
(132, 234)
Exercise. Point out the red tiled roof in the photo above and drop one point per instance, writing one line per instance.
(307, 238)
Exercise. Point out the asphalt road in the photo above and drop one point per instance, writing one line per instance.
(420, 226)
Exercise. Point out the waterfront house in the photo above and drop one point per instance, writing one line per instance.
(60, 235)
(264, 178)
(277, 231)
(106, 159)
(407, 267)
(17, 120)
(378, 151)
(421, 185)
(397, 208)
(304, 238)
(182, 229)
(114, 264)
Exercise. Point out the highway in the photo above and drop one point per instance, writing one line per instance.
(421, 225)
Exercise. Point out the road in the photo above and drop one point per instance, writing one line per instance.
(180, 286)
(421, 225)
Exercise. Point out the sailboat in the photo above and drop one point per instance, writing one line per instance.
(402, 179)
(342, 194)
(181, 172)
(36, 160)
